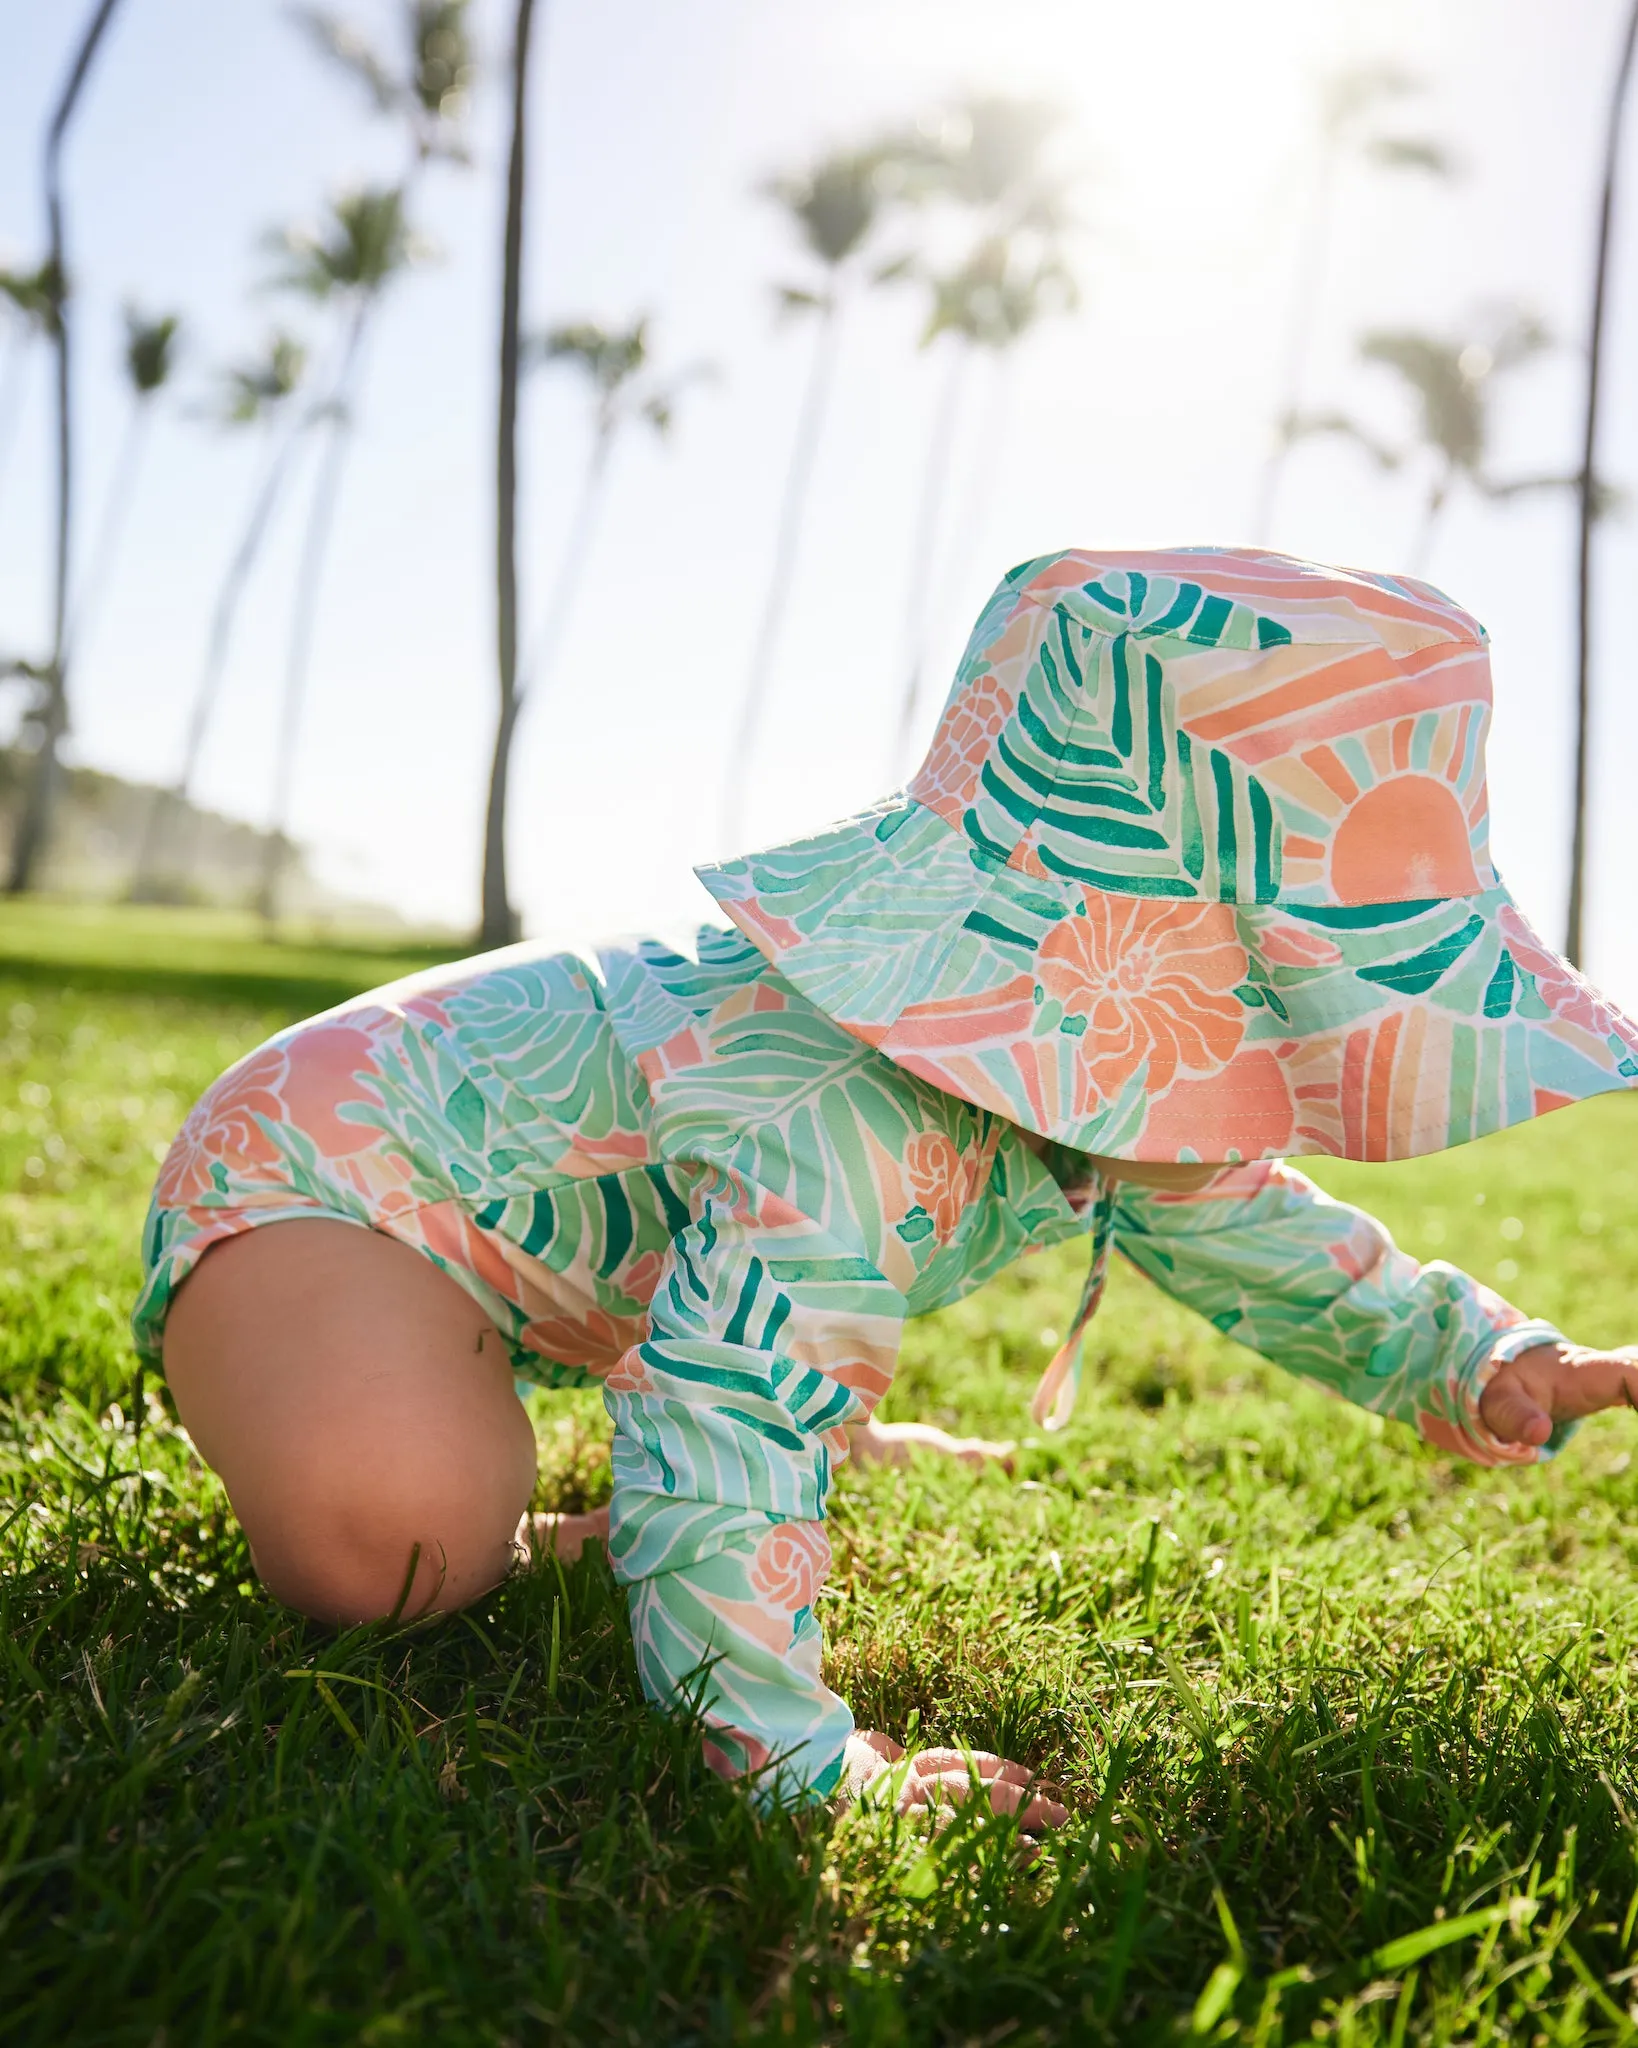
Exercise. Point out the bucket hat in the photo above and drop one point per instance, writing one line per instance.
(1197, 868)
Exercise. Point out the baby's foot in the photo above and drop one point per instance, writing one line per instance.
(891, 1443)
(568, 1535)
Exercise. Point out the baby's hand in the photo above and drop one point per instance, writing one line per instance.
(1552, 1383)
(944, 1777)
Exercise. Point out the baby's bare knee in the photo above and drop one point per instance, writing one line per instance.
(369, 1550)
(371, 1444)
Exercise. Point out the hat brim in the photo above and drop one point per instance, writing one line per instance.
(1149, 1028)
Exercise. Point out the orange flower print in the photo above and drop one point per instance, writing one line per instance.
(791, 1564)
(630, 1376)
(941, 1179)
(330, 1069)
(947, 779)
(224, 1126)
(1154, 981)
(593, 1338)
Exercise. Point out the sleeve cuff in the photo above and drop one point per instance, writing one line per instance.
(1482, 1368)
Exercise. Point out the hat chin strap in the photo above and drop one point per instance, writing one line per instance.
(1054, 1400)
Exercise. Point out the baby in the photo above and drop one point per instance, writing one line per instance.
(1195, 878)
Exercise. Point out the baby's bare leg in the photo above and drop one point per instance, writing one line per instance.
(359, 1407)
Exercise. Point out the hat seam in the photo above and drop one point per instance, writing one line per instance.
(1055, 604)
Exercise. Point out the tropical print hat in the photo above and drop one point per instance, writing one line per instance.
(1197, 868)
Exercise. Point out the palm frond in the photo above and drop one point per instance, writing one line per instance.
(253, 389)
(1354, 91)
(609, 356)
(895, 268)
(998, 162)
(441, 58)
(1610, 500)
(1412, 153)
(346, 46)
(149, 350)
(617, 363)
(1303, 426)
(1449, 377)
(1518, 336)
(36, 294)
(363, 243)
(1448, 395)
(835, 203)
(795, 298)
(1006, 284)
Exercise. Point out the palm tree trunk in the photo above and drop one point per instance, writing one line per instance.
(1432, 513)
(499, 924)
(40, 800)
(304, 615)
(935, 481)
(1309, 290)
(13, 379)
(111, 527)
(1575, 917)
(978, 494)
(792, 514)
(145, 878)
(571, 571)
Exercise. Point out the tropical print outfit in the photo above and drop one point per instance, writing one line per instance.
(718, 1183)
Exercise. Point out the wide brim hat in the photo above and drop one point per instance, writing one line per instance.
(1197, 868)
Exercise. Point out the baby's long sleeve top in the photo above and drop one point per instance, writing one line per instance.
(830, 1196)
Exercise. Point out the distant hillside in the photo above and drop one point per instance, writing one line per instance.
(205, 858)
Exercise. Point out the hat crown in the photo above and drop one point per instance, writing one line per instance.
(1220, 725)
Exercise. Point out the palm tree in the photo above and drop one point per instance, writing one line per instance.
(499, 922)
(51, 715)
(150, 354)
(988, 159)
(254, 394)
(1349, 132)
(1450, 381)
(616, 364)
(428, 88)
(834, 207)
(347, 264)
(988, 303)
(1590, 496)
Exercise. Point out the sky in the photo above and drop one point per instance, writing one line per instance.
(1142, 419)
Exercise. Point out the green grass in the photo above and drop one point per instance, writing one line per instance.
(1346, 1724)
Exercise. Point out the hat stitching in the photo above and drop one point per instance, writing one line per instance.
(1455, 637)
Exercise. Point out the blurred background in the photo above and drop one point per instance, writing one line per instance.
(826, 316)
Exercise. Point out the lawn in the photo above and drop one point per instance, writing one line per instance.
(1345, 1723)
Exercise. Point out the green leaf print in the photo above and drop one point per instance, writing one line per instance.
(466, 1110)
(1092, 766)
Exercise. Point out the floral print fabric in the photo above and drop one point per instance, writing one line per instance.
(675, 1176)
(1197, 867)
